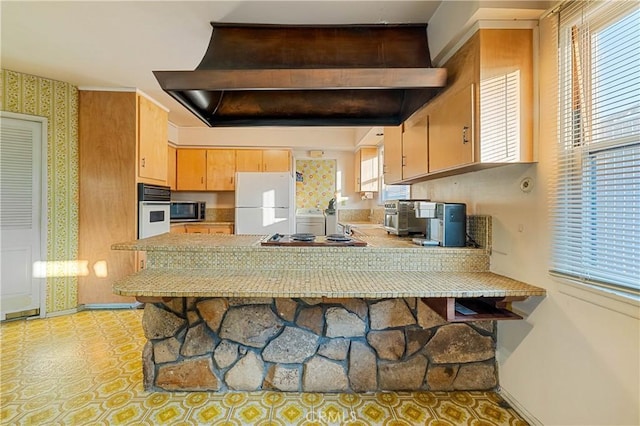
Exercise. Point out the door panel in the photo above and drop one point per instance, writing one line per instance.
(20, 212)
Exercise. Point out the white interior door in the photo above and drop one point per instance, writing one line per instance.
(21, 144)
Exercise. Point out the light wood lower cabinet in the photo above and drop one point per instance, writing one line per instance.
(208, 229)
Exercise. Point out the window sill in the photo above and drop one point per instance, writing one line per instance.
(617, 301)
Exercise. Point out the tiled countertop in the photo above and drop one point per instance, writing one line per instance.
(204, 265)
(337, 284)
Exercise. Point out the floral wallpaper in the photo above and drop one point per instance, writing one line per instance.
(58, 101)
(315, 183)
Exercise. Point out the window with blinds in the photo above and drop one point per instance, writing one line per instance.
(596, 206)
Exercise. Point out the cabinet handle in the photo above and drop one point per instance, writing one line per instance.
(143, 162)
(465, 136)
(404, 160)
(201, 180)
(141, 263)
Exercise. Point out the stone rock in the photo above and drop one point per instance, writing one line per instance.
(477, 376)
(225, 354)
(411, 302)
(293, 345)
(427, 317)
(238, 301)
(247, 374)
(342, 323)
(190, 303)
(357, 306)
(195, 374)
(389, 344)
(286, 308)
(390, 313)
(312, 319)
(148, 366)
(166, 350)
(312, 300)
(362, 368)
(159, 324)
(252, 325)
(459, 343)
(322, 375)
(407, 375)
(175, 305)
(285, 379)
(440, 377)
(334, 349)
(192, 317)
(212, 311)
(197, 341)
(416, 339)
(488, 326)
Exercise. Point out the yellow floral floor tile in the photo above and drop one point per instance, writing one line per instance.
(86, 369)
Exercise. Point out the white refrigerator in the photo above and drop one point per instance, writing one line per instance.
(264, 203)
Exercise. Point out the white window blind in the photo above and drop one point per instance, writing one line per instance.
(500, 118)
(596, 206)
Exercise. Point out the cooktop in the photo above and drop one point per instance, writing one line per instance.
(310, 240)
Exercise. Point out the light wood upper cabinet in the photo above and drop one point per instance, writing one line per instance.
(221, 169)
(366, 169)
(191, 169)
(451, 131)
(415, 156)
(485, 116)
(392, 168)
(152, 141)
(171, 167)
(268, 160)
(248, 160)
(276, 160)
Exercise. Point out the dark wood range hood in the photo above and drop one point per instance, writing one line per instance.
(302, 75)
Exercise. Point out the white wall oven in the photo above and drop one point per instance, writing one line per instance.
(154, 203)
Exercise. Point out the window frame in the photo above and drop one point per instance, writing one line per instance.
(572, 143)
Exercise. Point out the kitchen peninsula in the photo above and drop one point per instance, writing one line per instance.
(224, 312)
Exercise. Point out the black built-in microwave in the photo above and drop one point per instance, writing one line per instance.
(188, 211)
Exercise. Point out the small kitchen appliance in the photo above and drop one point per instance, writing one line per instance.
(153, 210)
(400, 218)
(446, 224)
(188, 211)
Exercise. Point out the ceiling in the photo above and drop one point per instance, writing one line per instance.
(119, 44)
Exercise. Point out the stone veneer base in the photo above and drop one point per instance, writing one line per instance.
(313, 345)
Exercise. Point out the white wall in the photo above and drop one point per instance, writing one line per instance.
(575, 359)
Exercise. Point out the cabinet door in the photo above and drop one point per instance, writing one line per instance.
(191, 170)
(369, 169)
(171, 167)
(152, 140)
(356, 171)
(178, 229)
(248, 160)
(415, 150)
(220, 229)
(221, 169)
(276, 160)
(451, 130)
(196, 229)
(392, 169)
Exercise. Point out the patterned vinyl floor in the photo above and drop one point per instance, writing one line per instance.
(85, 369)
